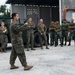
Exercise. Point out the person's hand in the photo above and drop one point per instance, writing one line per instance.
(4, 31)
(26, 23)
(44, 32)
(41, 33)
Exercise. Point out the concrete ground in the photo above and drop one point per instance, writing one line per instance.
(55, 61)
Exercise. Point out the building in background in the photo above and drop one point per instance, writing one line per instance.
(68, 9)
(49, 10)
(45, 9)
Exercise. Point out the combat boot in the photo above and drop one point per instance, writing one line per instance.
(41, 47)
(1, 50)
(14, 67)
(69, 44)
(33, 49)
(56, 45)
(65, 44)
(47, 48)
(27, 67)
(4, 50)
(27, 49)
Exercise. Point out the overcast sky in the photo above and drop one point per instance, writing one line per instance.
(2, 2)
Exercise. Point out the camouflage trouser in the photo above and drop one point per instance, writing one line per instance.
(57, 36)
(52, 37)
(18, 50)
(30, 37)
(64, 36)
(56, 39)
(43, 37)
(4, 42)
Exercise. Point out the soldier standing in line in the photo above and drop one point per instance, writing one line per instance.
(52, 33)
(42, 33)
(30, 33)
(17, 43)
(71, 28)
(57, 33)
(3, 37)
(64, 33)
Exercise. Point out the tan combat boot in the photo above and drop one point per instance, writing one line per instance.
(14, 67)
(27, 67)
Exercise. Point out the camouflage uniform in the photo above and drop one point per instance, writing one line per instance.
(17, 44)
(3, 38)
(57, 34)
(52, 34)
(42, 34)
(71, 28)
(30, 34)
(64, 33)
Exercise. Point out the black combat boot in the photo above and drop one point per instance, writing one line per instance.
(27, 49)
(33, 49)
(1, 50)
(65, 43)
(41, 47)
(4, 50)
(69, 44)
(47, 47)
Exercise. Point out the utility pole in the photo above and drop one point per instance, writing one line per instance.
(60, 15)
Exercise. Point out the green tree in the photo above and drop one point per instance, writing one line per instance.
(4, 11)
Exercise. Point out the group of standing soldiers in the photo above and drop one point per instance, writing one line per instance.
(58, 33)
(62, 32)
(30, 33)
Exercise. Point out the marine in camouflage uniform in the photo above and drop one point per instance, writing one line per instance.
(17, 43)
(64, 33)
(42, 33)
(71, 29)
(52, 33)
(3, 37)
(57, 33)
(30, 33)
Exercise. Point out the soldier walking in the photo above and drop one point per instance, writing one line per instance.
(17, 43)
(42, 33)
(3, 37)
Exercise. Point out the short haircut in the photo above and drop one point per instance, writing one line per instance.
(13, 15)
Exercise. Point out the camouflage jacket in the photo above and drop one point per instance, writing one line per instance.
(16, 32)
(42, 28)
(30, 27)
(64, 27)
(2, 29)
(52, 28)
(3, 35)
